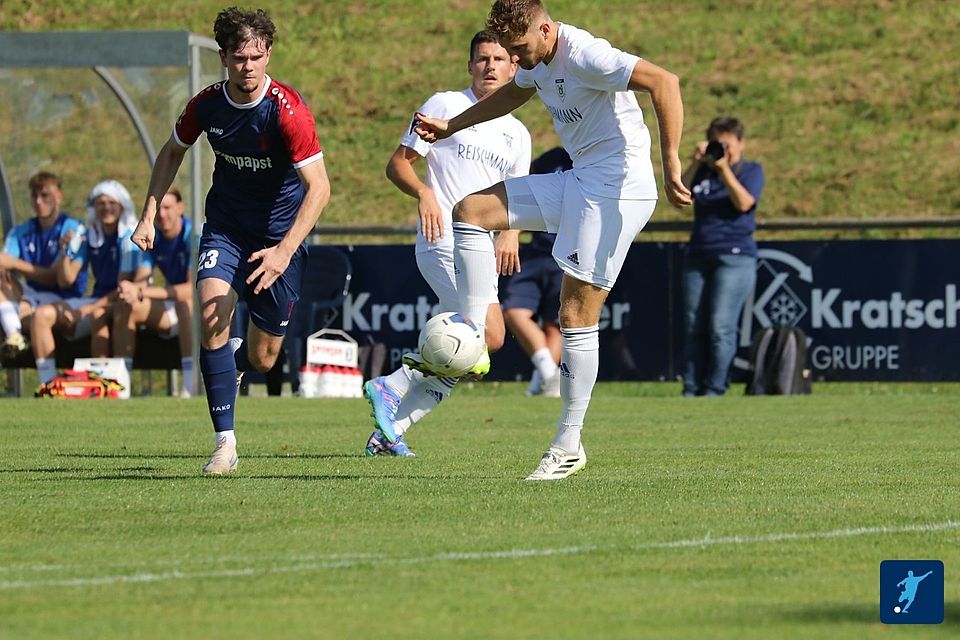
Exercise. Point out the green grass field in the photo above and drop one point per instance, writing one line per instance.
(739, 518)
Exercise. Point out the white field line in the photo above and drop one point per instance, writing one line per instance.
(354, 560)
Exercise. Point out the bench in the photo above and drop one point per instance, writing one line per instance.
(153, 352)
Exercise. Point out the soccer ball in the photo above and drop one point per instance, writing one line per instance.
(451, 344)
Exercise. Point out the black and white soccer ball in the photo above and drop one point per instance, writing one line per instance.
(451, 344)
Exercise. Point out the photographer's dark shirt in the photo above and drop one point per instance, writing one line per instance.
(718, 227)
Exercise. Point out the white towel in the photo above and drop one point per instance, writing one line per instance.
(128, 219)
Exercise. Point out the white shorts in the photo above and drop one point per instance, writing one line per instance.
(84, 327)
(436, 267)
(170, 310)
(593, 233)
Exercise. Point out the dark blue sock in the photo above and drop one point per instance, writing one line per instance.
(241, 358)
(220, 380)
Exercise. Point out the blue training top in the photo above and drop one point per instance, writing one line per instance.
(107, 261)
(30, 242)
(718, 227)
(172, 256)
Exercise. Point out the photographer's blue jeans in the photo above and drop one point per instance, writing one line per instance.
(715, 288)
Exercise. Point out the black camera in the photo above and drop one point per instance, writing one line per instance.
(715, 150)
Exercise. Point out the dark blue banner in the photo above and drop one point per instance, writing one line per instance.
(872, 310)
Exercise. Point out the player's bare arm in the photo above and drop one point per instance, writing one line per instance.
(138, 291)
(498, 103)
(275, 260)
(165, 169)
(43, 275)
(66, 270)
(400, 171)
(507, 250)
(664, 90)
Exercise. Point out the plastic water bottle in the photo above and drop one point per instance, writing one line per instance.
(309, 378)
(73, 248)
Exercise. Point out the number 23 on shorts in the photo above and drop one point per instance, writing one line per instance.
(208, 259)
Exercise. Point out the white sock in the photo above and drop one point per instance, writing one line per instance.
(226, 437)
(402, 379)
(422, 398)
(535, 382)
(128, 363)
(186, 370)
(47, 369)
(542, 359)
(579, 362)
(10, 318)
(475, 264)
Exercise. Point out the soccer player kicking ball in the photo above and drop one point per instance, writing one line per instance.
(269, 187)
(468, 161)
(596, 209)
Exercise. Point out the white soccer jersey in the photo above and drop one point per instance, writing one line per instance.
(597, 117)
(469, 160)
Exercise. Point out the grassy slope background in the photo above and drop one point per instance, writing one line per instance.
(850, 106)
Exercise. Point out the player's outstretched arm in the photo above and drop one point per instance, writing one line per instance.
(275, 260)
(664, 90)
(499, 103)
(165, 169)
(400, 172)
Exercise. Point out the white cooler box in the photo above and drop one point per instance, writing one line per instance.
(331, 368)
(108, 368)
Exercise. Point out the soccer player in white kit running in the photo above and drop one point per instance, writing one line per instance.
(469, 161)
(596, 209)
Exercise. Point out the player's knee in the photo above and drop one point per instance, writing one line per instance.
(495, 339)
(467, 211)
(575, 315)
(264, 357)
(263, 360)
(44, 317)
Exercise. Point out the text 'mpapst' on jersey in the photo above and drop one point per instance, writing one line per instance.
(258, 147)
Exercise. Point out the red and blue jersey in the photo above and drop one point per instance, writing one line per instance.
(256, 192)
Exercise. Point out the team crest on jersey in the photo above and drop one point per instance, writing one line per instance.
(560, 89)
(508, 139)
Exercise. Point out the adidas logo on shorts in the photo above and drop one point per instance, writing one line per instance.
(574, 258)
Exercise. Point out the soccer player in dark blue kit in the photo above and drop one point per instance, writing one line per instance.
(269, 187)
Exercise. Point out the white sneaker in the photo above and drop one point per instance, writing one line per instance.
(557, 464)
(550, 387)
(14, 345)
(223, 460)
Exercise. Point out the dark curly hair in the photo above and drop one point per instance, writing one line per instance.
(725, 124)
(234, 26)
(511, 19)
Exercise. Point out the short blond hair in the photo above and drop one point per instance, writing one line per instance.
(511, 19)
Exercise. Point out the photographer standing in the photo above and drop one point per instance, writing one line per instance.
(720, 263)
